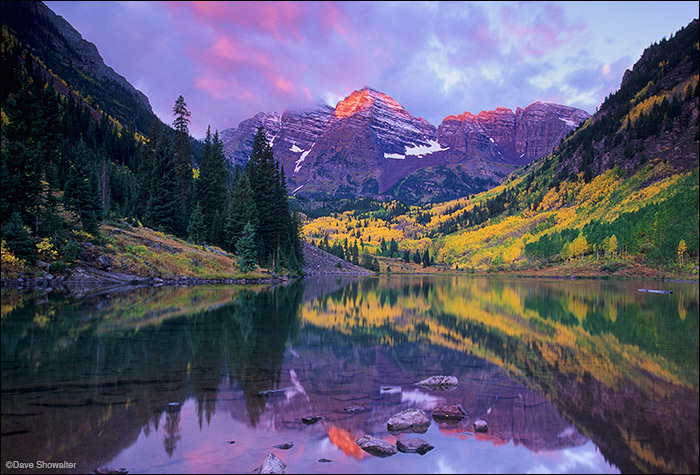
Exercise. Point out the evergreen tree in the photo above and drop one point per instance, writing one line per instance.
(417, 257)
(181, 148)
(18, 239)
(81, 194)
(196, 230)
(23, 155)
(145, 160)
(164, 210)
(407, 256)
(263, 176)
(241, 211)
(278, 233)
(426, 258)
(246, 248)
(393, 248)
(355, 254)
(212, 192)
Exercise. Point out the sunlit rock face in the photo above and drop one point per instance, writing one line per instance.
(514, 138)
(369, 145)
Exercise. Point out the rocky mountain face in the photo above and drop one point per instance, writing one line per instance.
(63, 50)
(369, 145)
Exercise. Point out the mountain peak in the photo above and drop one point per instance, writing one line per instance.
(362, 100)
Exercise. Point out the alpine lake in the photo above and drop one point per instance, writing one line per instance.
(571, 376)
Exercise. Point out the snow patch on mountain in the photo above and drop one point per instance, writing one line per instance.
(417, 150)
(396, 156)
(295, 148)
(422, 150)
(569, 122)
(297, 164)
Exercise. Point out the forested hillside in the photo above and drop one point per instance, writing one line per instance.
(619, 191)
(68, 168)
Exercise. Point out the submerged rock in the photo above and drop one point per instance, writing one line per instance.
(375, 446)
(413, 445)
(439, 382)
(105, 470)
(271, 392)
(285, 446)
(272, 464)
(311, 419)
(449, 412)
(480, 426)
(410, 420)
(354, 409)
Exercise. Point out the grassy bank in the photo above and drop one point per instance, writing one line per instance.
(133, 250)
(630, 267)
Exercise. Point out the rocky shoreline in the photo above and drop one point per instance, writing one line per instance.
(318, 262)
(88, 276)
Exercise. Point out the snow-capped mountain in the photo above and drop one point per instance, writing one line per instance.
(369, 145)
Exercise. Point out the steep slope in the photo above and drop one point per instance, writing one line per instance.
(369, 145)
(76, 61)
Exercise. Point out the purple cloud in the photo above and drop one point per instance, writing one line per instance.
(231, 60)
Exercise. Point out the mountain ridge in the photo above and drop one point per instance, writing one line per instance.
(77, 61)
(371, 146)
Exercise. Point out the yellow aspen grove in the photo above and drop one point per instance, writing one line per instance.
(612, 246)
(580, 246)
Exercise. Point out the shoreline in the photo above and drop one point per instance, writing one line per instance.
(89, 277)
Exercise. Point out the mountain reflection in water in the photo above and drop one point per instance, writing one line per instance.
(570, 376)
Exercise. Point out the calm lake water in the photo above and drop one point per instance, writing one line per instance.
(571, 376)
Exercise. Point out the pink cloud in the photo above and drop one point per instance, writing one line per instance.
(224, 88)
(280, 19)
(538, 28)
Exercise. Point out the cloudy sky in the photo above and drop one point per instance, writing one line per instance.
(231, 60)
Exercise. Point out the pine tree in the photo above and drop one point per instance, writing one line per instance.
(81, 194)
(164, 209)
(23, 156)
(417, 257)
(196, 230)
(18, 239)
(393, 248)
(264, 178)
(241, 211)
(181, 148)
(426, 258)
(212, 192)
(246, 248)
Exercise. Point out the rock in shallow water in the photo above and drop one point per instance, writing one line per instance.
(410, 420)
(375, 446)
(449, 412)
(413, 445)
(480, 426)
(311, 419)
(105, 470)
(273, 464)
